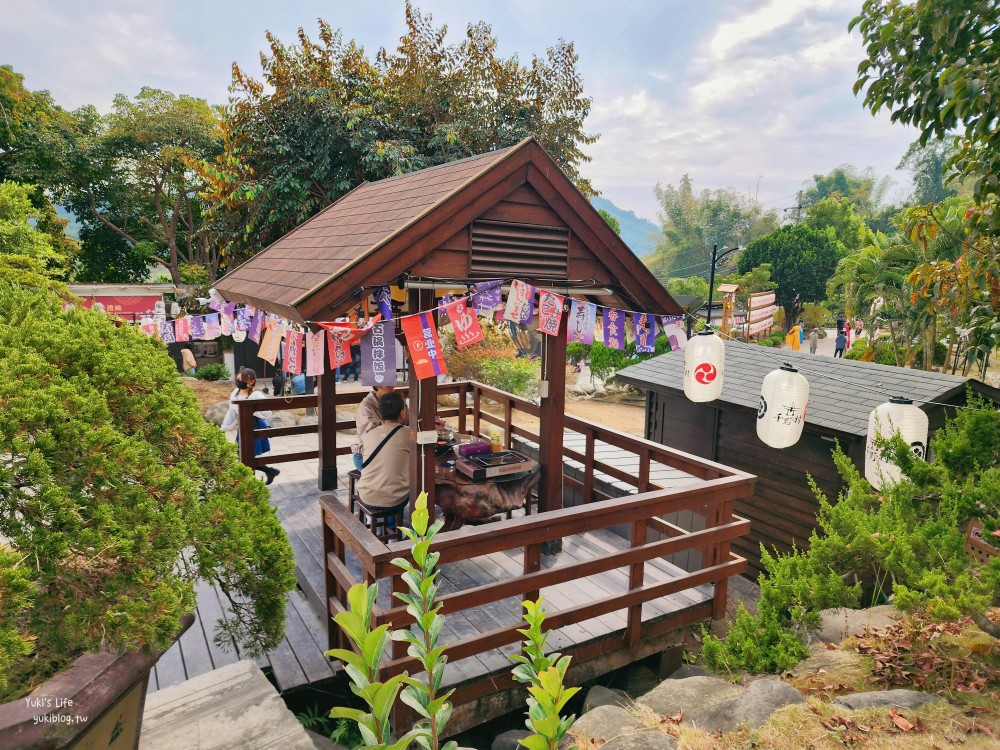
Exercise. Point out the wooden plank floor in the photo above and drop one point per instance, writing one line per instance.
(300, 660)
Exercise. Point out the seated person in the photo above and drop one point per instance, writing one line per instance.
(368, 417)
(385, 480)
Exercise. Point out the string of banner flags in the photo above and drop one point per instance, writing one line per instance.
(311, 352)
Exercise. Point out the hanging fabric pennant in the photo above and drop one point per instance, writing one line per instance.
(644, 333)
(443, 303)
(271, 343)
(348, 331)
(182, 329)
(314, 353)
(520, 302)
(425, 348)
(464, 323)
(198, 327)
(215, 305)
(167, 332)
(243, 317)
(213, 328)
(582, 318)
(383, 298)
(225, 324)
(378, 355)
(149, 327)
(488, 295)
(550, 310)
(256, 326)
(292, 361)
(229, 309)
(339, 352)
(614, 328)
(674, 332)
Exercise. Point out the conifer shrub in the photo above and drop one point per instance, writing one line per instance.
(107, 472)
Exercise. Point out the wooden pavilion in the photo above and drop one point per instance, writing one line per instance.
(508, 214)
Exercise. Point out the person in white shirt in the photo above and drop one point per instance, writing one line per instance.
(246, 379)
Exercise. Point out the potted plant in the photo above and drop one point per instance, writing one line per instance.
(107, 473)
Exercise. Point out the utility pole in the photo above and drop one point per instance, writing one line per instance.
(716, 257)
(797, 208)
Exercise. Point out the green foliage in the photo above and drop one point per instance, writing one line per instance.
(17, 594)
(753, 645)
(815, 316)
(694, 286)
(326, 117)
(861, 349)
(612, 221)
(861, 189)
(838, 214)
(544, 674)
(108, 472)
(29, 255)
(928, 163)
(213, 371)
(775, 340)
(463, 364)
(517, 375)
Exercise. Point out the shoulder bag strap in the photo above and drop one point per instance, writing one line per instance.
(379, 447)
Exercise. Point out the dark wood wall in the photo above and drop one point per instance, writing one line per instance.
(782, 510)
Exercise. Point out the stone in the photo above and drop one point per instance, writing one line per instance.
(833, 665)
(217, 412)
(687, 694)
(602, 696)
(508, 740)
(750, 709)
(689, 670)
(324, 743)
(647, 738)
(839, 623)
(282, 419)
(309, 419)
(604, 723)
(899, 698)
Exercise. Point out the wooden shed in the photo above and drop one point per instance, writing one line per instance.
(842, 394)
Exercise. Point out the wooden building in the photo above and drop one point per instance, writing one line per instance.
(842, 394)
(508, 214)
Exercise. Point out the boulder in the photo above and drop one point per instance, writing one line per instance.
(603, 723)
(508, 740)
(834, 666)
(602, 696)
(647, 738)
(282, 419)
(217, 412)
(688, 694)
(689, 670)
(750, 709)
(837, 624)
(899, 698)
(308, 419)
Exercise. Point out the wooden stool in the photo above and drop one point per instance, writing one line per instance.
(377, 521)
(352, 488)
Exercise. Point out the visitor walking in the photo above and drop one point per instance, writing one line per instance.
(246, 379)
(813, 340)
(841, 345)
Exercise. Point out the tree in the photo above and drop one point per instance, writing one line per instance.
(838, 214)
(326, 118)
(928, 162)
(863, 189)
(612, 221)
(802, 259)
(692, 224)
(29, 255)
(692, 286)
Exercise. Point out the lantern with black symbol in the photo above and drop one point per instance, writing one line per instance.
(704, 361)
(898, 415)
(781, 412)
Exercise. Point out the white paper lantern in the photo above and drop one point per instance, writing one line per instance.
(781, 412)
(704, 362)
(898, 415)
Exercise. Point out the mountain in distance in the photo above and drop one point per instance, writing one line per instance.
(639, 234)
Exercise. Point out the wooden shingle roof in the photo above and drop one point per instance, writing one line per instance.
(842, 392)
(381, 230)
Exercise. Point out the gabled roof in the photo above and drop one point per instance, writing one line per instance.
(380, 229)
(842, 392)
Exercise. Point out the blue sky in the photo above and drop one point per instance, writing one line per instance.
(753, 95)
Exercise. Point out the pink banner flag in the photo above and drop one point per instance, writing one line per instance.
(213, 329)
(182, 329)
(271, 343)
(314, 353)
(550, 310)
(464, 323)
(226, 324)
(292, 362)
(580, 326)
(520, 302)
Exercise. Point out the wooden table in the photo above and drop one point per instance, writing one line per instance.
(464, 500)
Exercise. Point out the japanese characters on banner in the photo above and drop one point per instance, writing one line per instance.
(340, 352)
(582, 319)
(520, 303)
(167, 332)
(673, 329)
(270, 343)
(378, 355)
(182, 329)
(292, 361)
(426, 354)
(213, 328)
(645, 333)
(198, 327)
(614, 328)
(550, 310)
(488, 296)
(256, 326)
(464, 323)
(383, 298)
(226, 324)
(314, 353)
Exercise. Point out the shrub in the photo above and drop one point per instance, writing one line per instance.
(861, 349)
(213, 371)
(463, 364)
(108, 471)
(517, 375)
(753, 645)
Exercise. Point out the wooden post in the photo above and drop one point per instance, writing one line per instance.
(423, 409)
(326, 418)
(635, 576)
(245, 430)
(552, 413)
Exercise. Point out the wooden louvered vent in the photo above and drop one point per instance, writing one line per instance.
(504, 250)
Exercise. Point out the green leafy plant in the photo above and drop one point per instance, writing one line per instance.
(213, 371)
(754, 644)
(108, 472)
(544, 674)
(517, 375)
(363, 664)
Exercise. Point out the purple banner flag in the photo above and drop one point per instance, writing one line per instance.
(243, 318)
(645, 333)
(580, 326)
(383, 297)
(256, 326)
(213, 326)
(229, 308)
(198, 327)
(378, 356)
(614, 328)
(673, 329)
(167, 332)
(488, 295)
